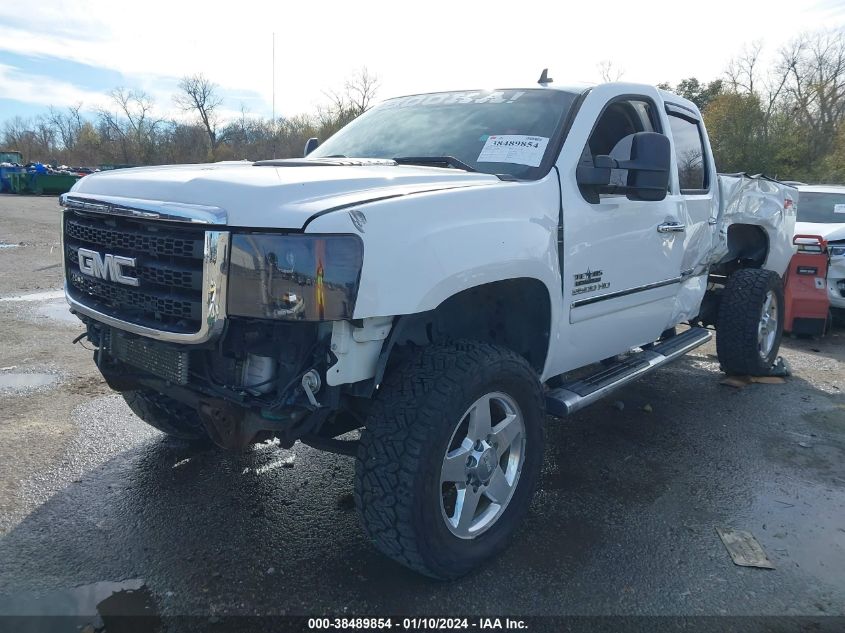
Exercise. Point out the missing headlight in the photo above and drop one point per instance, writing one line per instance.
(294, 277)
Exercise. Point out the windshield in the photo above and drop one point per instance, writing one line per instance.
(824, 208)
(496, 132)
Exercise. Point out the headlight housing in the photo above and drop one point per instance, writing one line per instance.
(294, 277)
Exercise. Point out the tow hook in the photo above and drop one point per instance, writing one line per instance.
(235, 429)
(228, 426)
(311, 385)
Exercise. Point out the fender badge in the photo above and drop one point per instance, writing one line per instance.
(358, 219)
(589, 277)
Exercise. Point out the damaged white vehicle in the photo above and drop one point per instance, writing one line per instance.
(432, 275)
(822, 212)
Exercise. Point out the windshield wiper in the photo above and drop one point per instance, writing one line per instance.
(449, 161)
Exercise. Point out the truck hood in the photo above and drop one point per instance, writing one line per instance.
(284, 194)
(831, 231)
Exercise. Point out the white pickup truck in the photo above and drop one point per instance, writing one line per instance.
(822, 213)
(432, 275)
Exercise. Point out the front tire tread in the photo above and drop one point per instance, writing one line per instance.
(406, 415)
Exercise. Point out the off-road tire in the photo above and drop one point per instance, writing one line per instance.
(397, 471)
(167, 415)
(739, 317)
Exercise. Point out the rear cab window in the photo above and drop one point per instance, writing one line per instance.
(693, 169)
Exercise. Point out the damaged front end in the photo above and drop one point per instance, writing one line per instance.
(259, 380)
(238, 325)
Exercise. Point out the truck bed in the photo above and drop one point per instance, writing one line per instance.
(759, 201)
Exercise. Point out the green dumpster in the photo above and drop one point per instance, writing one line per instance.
(41, 183)
(19, 183)
(52, 183)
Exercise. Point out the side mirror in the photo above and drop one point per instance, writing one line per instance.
(648, 169)
(597, 174)
(310, 145)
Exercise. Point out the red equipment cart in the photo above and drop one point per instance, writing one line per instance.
(805, 288)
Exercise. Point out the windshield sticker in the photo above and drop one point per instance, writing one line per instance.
(516, 149)
(451, 98)
(839, 208)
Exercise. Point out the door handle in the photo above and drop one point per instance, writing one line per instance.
(671, 227)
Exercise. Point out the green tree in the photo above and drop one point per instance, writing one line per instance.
(735, 125)
(699, 93)
(832, 167)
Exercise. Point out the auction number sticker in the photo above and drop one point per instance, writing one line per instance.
(839, 208)
(516, 149)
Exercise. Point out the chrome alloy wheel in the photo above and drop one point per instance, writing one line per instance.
(482, 465)
(767, 329)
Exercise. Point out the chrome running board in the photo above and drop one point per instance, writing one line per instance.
(574, 396)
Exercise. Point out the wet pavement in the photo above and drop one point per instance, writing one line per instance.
(21, 383)
(624, 522)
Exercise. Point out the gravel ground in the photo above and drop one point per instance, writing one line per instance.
(94, 503)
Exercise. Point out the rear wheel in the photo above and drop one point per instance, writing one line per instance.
(450, 457)
(750, 323)
(166, 414)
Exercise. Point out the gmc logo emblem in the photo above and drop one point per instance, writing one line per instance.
(107, 267)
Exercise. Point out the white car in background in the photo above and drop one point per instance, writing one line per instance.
(821, 211)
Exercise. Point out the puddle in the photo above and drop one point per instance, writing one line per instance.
(52, 306)
(48, 295)
(58, 311)
(25, 382)
(105, 607)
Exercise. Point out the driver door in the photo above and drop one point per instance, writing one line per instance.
(621, 258)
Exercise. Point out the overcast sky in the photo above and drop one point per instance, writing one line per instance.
(61, 53)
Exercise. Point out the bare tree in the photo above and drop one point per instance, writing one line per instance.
(359, 93)
(18, 135)
(609, 71)
(814, 69)
(361, 90)
(744, 77)
(67, 124)
(34, 138)
(133, 126)
(201, 95)
(742, 70)
(45, 137)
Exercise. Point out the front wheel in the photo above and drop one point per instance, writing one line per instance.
(750, 323)
(450, 457)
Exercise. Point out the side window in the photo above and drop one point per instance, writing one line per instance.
(611, 136)
(689, 148)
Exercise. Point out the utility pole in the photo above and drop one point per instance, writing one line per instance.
(273, 127)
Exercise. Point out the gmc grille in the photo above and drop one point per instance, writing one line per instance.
(169, 268)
